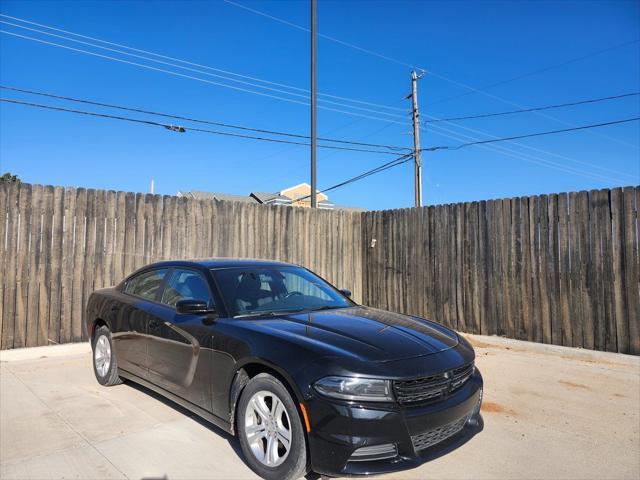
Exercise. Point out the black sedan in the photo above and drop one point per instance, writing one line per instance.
(306, 378)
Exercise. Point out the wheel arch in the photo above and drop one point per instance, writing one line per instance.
(246, 371)
(95, 324)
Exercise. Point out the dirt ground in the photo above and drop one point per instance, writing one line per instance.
(549, 413)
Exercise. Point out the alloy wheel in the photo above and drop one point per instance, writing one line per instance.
(268, 428)
(102, 355)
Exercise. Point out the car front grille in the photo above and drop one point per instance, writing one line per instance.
(437, 435)
(431, 388)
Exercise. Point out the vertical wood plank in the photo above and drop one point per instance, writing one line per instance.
(22, 265)
(610, 340)
(535, 332)
(44, 290)
(110, 238)
(577, 315)
(56, 264)
(120, 225)
(544, 279)
(596, 277)
(3, 229)
(88, 276)
(79, 260)
(585, 240)
(138, 255)
(9, 301)
(553, 270)
(35, 268)
(564, 274)
(129, 234)
(516, 266)
(66, 303)
(631, 199)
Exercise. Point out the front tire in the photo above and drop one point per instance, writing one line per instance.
(270, 431)
(105, 364)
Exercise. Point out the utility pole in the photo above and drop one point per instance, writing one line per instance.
(416, 139)
(314, 200)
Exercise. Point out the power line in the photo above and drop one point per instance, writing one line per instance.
(406, 158)
(529, 135)
(182, 129)
(189, 119)
(431, 73)
(199, 79)
(186, 62)
(528, 147)
(225, 72)
(533, 109)
(528, 74)
(385, 166)
(527, 157)
(327, 37)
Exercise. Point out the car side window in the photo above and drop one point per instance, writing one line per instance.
(186, 284)
(146, 284)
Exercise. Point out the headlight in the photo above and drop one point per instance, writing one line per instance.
(354, 388)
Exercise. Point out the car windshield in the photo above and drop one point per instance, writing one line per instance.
(273, 289)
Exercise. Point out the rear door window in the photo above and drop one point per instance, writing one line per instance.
(147, 284)
(186, 284)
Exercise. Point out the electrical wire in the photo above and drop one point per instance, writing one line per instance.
(186, 62)
(189, 119)
(527, 157)
(182, 129)
(529, 135)
(534, 109)
(385, 166)
(406, 158)
(528, 74)
(523, 145)
(278, 90)
(200, 79)
(327, 37)
(436, 75)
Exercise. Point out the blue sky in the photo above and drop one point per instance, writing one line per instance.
(460, 43)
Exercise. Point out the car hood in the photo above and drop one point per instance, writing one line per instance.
(364, 333)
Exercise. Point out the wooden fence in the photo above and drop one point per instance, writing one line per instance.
(560, 269)
(59, 244)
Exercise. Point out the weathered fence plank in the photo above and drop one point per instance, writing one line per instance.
(9, 274)
(631, 265)
(67, 264)
(34, 264)
(56, 265)
(44, 290)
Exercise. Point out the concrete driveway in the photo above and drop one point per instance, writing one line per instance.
(550, 412)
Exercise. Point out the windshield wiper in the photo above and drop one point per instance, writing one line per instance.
(272, 313)
(326, 307)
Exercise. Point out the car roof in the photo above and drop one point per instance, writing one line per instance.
(219, 263)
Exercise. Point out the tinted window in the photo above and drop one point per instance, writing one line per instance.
(275, 288)
(186, 285)
(146, 284)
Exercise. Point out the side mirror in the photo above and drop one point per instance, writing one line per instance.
(346, 292)
(192, 306)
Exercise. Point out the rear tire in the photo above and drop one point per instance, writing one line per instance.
(105, 363)
(270, 431)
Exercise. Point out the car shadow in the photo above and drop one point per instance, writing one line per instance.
(231, 439)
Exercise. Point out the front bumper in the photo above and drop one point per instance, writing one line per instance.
(340, 428)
